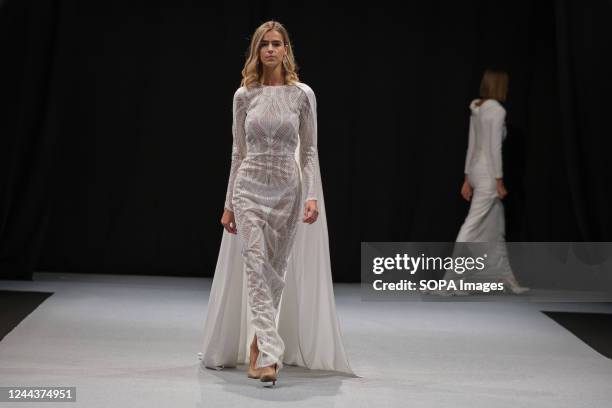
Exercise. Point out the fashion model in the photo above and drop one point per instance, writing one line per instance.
(272, 291)
(484, 185)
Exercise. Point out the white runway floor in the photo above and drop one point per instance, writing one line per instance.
(132, 341)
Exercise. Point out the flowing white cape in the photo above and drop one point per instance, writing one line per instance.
(307, 320)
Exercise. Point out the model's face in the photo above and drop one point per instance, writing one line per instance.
(272, 49)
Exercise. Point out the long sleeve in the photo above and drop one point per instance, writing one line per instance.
(470, 148)
(495, 143)
(238, 144)
(309, 156)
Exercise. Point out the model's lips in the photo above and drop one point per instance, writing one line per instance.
(270, 57)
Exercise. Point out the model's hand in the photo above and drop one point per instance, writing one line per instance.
(501, 189)
(311, 212)
(228, 221)
(466, 190)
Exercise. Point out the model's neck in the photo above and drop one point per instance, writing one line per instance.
(274, 77)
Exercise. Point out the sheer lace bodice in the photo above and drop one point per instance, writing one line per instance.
(268, 124)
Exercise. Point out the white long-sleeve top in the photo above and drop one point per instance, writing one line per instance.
(486, 135)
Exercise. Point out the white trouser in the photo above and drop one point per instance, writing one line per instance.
(484, 223)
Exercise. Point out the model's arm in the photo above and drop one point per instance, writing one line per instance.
(238, 144)
(470, 149)
(309, 156)
(495, 143)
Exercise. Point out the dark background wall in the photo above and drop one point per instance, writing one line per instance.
(116, 124)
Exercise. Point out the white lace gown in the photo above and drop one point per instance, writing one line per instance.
(307, 321)
(265, 193)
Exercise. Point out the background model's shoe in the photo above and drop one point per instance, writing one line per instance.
(512, 286)
(447, 292)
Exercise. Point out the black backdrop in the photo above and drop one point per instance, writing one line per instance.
(116, 124)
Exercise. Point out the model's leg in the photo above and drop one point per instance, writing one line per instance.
(279, 236)
(478, 222)
(253, 228)
(499, 260)
(484, 193)
(253, 372)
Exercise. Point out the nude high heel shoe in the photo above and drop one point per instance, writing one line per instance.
(269, 373)
(512, 286)
(253, 371)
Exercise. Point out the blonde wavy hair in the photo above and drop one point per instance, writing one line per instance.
(253, 69)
